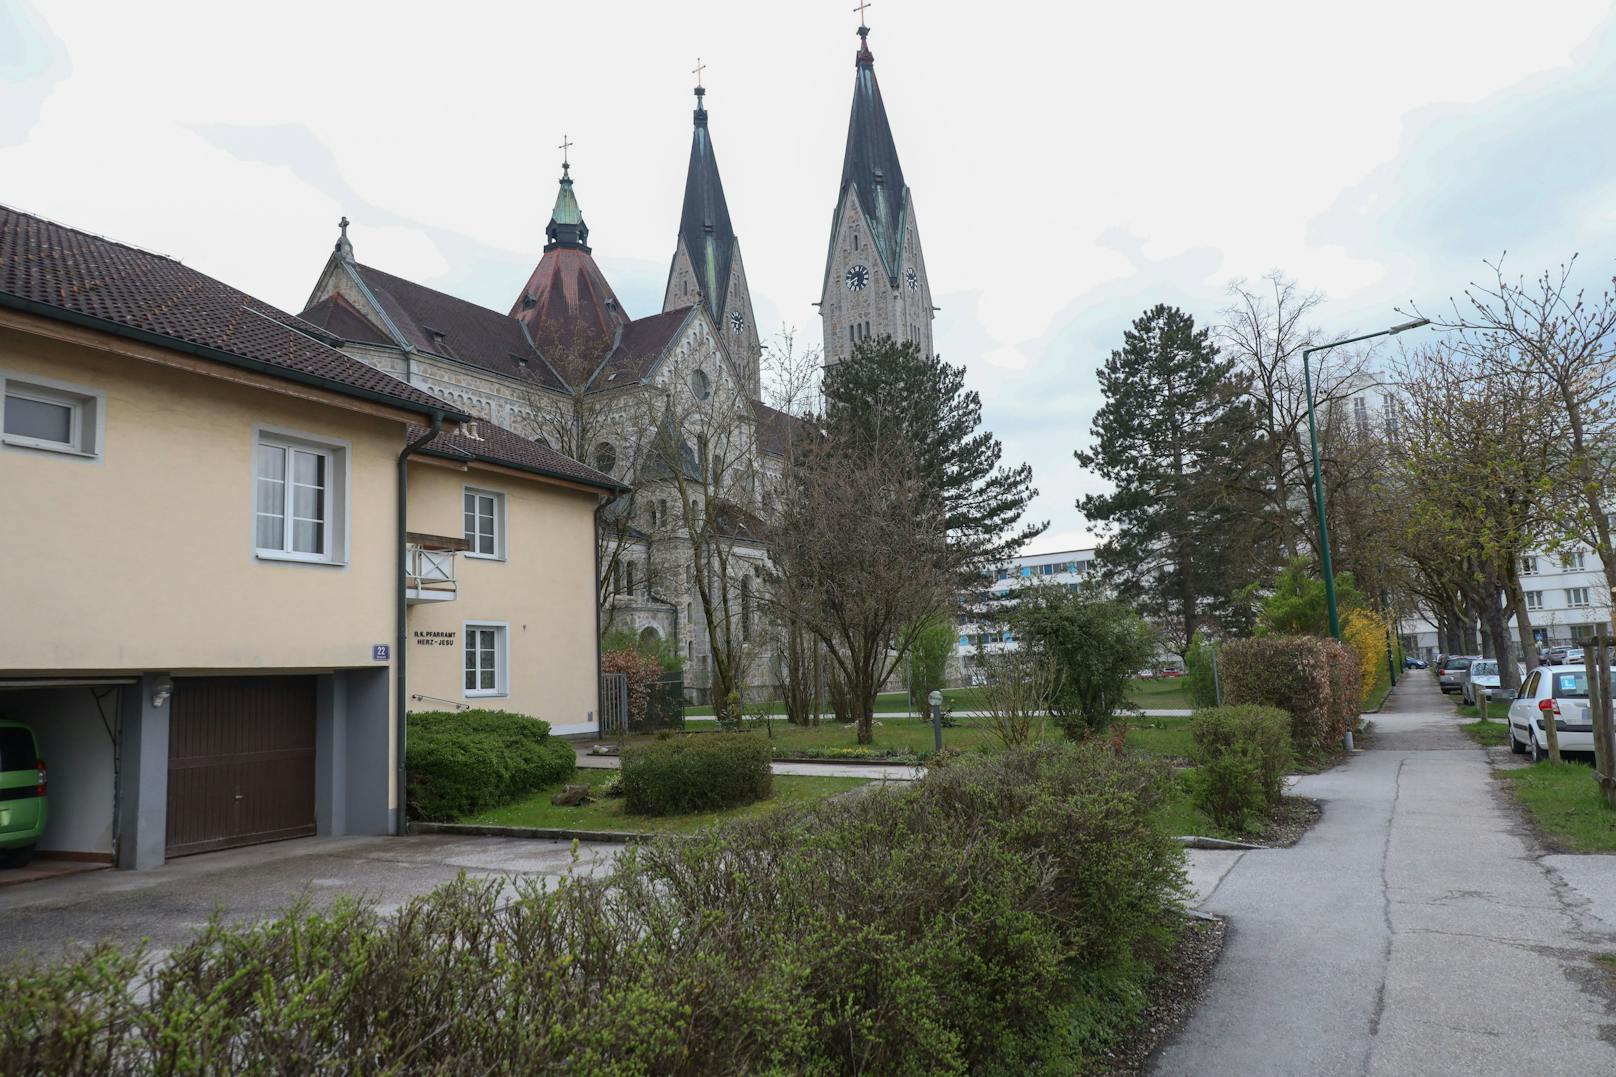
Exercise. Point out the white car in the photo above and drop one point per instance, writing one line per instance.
(1482, 676)
(1560, 691)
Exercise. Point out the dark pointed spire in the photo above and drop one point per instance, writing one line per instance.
(566, 227)
(870, 164)
(704, 224)
(343, 247)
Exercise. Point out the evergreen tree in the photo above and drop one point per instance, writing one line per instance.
(1176, 439)
(891, 388)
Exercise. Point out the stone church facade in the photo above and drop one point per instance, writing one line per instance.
(669, 403)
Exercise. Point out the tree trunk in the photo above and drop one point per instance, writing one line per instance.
(1503, 653)
(1523, 621)
(1604, 737)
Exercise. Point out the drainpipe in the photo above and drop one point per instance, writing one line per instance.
(401, 718)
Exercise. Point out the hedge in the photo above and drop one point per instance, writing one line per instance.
(1001, 916)
(461, 763)
(1313, 680)
(696, 772)
(1242, 755)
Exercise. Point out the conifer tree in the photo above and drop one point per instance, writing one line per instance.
(1176, 440)
(890, 388)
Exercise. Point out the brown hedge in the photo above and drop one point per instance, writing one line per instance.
(1315, 681)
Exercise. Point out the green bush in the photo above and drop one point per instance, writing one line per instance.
(1096, 645)
(1002, 916)
(460, 763)
(1200, 679)
(1242, 755)
(1305, 676)
(699, 772)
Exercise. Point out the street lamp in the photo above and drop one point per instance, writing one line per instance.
(1318, 472)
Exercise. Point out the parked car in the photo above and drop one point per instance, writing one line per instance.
(1563, 656)
(1560, 692)
(22, 794)
(1410, 662)
(1483, 676)
(1450, 674)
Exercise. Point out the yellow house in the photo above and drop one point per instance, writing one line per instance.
(204, 593)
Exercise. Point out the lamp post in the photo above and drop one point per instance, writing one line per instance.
(1318, 471)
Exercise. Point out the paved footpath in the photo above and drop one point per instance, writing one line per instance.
(1414, 930)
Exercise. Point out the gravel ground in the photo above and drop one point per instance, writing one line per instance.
(1172, 995)
(1293, 819)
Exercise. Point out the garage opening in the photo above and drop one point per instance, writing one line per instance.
(75, 727)
(241, 762)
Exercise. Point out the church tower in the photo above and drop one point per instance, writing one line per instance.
(707, 265)
(567, 306)
(875, 275)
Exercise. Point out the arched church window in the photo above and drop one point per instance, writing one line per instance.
(855, 241)
(605, 457)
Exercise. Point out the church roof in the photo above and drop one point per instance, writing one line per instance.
(567, 300)
(776, 429)
(342, 319)
(704, 225)
(870, 164)
(638, 347)
(62, 273)
(442, 324)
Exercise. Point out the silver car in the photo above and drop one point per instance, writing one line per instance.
(1483, 678)
(1450, 676)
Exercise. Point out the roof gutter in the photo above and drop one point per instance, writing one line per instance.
(612, 487)
(217, 355)
(401, 615)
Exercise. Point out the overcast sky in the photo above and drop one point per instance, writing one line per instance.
(1071, 164)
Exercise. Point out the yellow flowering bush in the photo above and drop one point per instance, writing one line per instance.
(1366, 632)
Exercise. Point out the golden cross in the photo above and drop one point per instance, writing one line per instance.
(566, 145)
(862, 7)
(701, 68)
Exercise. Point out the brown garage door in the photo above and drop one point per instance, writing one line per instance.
(240, 761)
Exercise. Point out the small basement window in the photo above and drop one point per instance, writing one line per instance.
(51, 415)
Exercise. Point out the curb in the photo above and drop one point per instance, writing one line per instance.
(540, 832)
(1194, 841)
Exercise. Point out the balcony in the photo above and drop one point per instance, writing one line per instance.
(429, 567)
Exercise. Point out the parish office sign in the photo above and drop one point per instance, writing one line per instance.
(434, 639)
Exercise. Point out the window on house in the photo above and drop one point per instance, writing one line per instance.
(1572, 561)
(1577, 597)
(297, 500)
(485, 660)
(855, 241)
(1529, 566)
(50, 416)
(851, 338)
(746, 608)
(628, 576)
(1360, 414)
(1534, 600)
(866, 330)
(484, 513)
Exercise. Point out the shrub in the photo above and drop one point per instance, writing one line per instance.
(1347, 692)
(1242, 755)
(1096, 645)
(1200, 679)
(1314, 680)
(466, 762)
(699, 772)
(1002, 916)
(644, 673)
(1366, 632)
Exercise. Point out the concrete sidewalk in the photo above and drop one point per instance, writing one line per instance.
(1412, 931)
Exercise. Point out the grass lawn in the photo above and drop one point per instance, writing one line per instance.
(1491, 734)
(959, 699)
(1378, 695)
(1564, 802)
(1160, 736)
(608, 813)
(1159, 693)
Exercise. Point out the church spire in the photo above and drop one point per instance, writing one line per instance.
(704, 225)
(566, 227)
(870, 163)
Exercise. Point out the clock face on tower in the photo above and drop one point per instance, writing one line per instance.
(911, 279)
(736, 322)
(858, 277)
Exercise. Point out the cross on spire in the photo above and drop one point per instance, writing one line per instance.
(565, 148)
(863, 6)
(699, 70)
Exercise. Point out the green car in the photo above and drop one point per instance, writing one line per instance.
(22, 794)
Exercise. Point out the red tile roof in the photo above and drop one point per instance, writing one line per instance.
(443, 324)
(567, 300)
(776, 429)
(56, 271)
(497, 445)
(342, 319)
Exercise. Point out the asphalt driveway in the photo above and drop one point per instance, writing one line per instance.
(167, 906)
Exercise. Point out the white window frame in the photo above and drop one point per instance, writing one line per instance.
(338, 456)
(499, 522)
(1534, 599)
(1529, 565)
(1573, 561)
(502, 659)
(86, 405)
(1571, 598)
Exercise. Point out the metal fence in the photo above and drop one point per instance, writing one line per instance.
(613, 704)
(664, 706)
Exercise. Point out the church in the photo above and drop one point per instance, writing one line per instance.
(669, 403)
